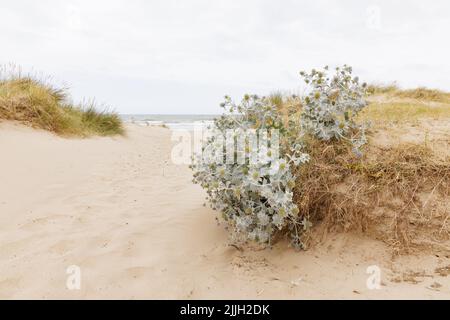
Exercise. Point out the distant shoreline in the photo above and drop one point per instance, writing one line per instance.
(172, 121)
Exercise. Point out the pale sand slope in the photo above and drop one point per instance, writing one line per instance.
(136, 226)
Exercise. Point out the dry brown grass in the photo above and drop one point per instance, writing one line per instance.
(421, 93)
(395, 194)
(404, 111)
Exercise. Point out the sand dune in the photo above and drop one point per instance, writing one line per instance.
(136, 226)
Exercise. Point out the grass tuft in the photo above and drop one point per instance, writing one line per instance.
(39, 104)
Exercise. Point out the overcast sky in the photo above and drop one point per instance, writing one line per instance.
(183, 56)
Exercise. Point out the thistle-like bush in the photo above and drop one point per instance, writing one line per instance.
(330, 107)
(249, 162)
(245, 167)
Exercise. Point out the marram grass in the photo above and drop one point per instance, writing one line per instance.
(405, 111)
(420, 94)
(41, 105)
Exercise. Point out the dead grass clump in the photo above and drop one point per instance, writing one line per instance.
(398, 194)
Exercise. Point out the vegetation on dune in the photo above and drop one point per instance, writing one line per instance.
(390, 192)
(390, 103)
(253, 194)
(375, 89)
(404, 111)
(256, 195)
(41, 105)
(421, 93)
(328, 174)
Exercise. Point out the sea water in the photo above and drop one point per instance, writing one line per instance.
(172, 121)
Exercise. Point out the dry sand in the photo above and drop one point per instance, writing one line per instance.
(136, 226)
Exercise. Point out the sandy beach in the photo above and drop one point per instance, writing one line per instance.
(136, 227)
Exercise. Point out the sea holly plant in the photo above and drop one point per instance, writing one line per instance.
(331, 105)
(246, 169)
(249, 162)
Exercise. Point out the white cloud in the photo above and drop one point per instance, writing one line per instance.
(183, 56)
